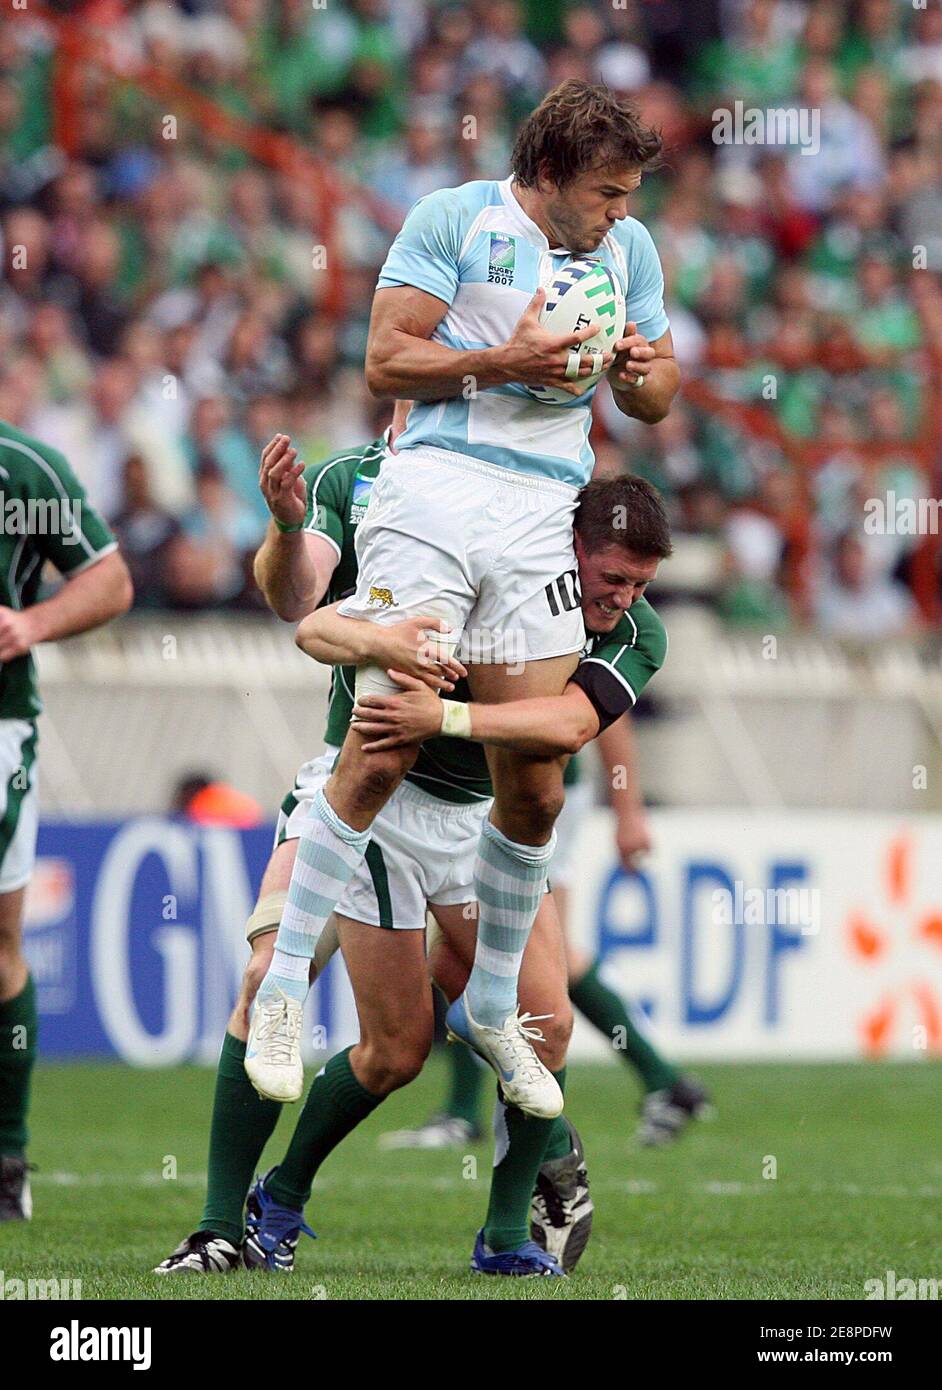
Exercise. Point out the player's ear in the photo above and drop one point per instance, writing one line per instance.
(544, 180)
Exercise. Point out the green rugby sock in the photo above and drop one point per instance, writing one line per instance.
(608, 1012)
(467, 1079)
(336, 1103)
(559, 1143)
(521, 1147)
(241, 1126)
(19, 1027)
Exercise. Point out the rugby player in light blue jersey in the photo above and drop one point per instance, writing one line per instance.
(471, 520)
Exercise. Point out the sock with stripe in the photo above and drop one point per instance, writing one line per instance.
(329, 853)
(242, 1125)
(521, 1145)
(336, 1103)
(467, 1077)
(509, 880)
(19, 1028)
(611, 1015)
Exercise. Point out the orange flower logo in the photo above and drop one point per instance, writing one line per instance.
(872, 943)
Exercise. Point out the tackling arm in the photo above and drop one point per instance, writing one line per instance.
(547, 726)
(342, 641)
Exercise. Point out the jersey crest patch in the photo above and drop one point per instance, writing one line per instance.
(362, 487)
(501, 259)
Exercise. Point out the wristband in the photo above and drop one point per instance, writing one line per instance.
(286, 530)
(456, 719)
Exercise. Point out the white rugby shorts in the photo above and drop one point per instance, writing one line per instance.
(488, 549)
(580, 797)
(19, 803)
(421, 850)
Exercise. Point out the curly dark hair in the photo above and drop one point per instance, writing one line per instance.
(576, 127)
(626, 511)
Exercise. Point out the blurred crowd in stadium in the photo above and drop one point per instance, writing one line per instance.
(165, 318)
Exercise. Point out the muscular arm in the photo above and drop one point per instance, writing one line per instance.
(89, 599)
(402, 361)
(405, 646)
(337, 641)
(656, 363)
(293, 570)
(548, 726)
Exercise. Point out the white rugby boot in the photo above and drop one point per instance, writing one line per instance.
(273, 1050)
(523, 1079)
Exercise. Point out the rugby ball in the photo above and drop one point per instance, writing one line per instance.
(579, 293)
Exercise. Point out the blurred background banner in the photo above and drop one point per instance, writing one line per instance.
(805, 936)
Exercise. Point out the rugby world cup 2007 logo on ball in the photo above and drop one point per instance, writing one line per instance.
(578, 294)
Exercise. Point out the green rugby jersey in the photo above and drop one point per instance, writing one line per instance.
(338, 492)
(614, 669)
(44, 515)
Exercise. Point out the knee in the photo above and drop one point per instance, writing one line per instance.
(257, 967)
(390, 1061)
(545, 808)
(531, 817)
(557, 1032)
(383, 774)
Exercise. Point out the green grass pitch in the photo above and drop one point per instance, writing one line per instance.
(857, 1191)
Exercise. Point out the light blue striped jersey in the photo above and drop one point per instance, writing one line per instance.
(476, 249)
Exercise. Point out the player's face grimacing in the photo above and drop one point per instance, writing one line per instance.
(611, 579)
(583, 212)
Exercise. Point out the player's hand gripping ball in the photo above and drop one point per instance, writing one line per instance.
(579, 293)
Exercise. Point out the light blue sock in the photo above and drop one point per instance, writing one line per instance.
(329, 852)
(509, 881)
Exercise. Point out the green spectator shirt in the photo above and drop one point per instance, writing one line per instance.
(614, 669)
(45, 515)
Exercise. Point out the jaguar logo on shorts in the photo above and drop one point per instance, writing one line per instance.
(501, 260)
(384, 597)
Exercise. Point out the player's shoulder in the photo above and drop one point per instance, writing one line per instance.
(648, 627)
(630, 241)
(337, 473)
(460, 204)
(23, 458)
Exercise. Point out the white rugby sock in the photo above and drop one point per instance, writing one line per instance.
(509, 880)
(329, 852)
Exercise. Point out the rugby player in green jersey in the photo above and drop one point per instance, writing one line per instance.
(671, 1099)
(421, 854)
(44, 516)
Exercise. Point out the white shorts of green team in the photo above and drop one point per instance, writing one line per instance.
(421, 851)
(19, 803)
(489, 550)
(580, 797)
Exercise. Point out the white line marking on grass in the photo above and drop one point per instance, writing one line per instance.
(634, 1187)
